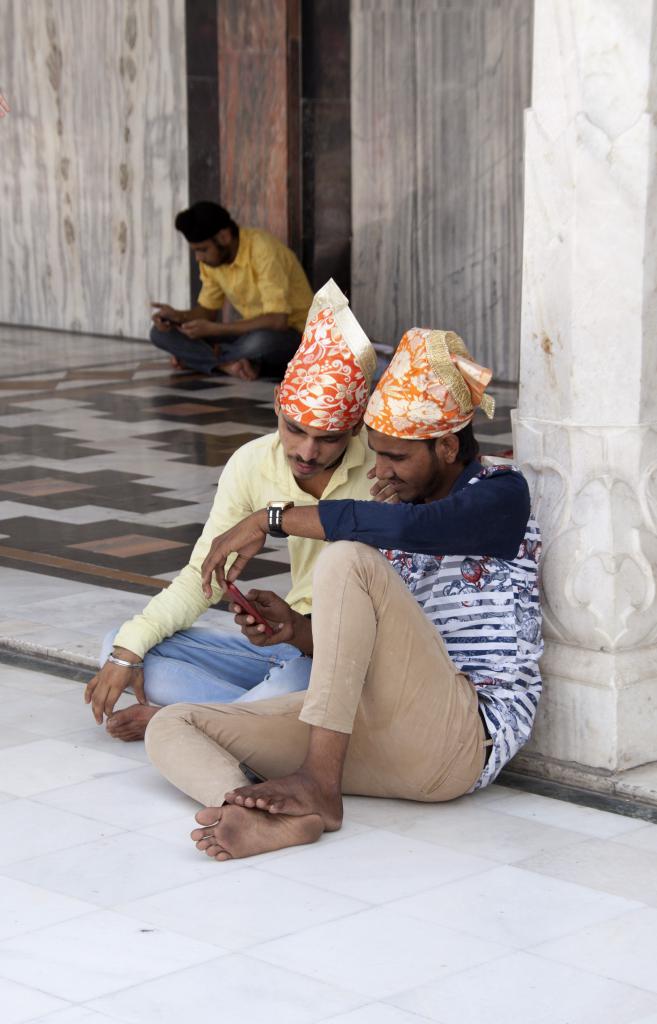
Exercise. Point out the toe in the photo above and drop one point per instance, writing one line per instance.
(208, 816)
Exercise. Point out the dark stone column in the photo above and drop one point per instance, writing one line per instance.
(326, 118)
(260, 178)
(269, 128)
(202, 108)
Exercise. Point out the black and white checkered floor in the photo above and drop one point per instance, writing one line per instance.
(108, 465)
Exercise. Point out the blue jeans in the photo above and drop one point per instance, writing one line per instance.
(270, 350)
(206, 666)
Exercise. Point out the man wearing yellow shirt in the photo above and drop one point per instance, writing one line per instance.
(259, 276)
(316, 453)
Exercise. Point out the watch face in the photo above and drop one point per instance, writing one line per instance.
(274, 518)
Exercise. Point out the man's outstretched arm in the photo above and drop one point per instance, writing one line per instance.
(202, 328)
(247, 539)
(488, 518)
(485, 518)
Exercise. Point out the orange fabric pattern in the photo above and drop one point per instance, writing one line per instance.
(431, 387)
(325, 386)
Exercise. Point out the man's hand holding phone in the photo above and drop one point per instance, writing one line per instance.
(165, 317)
(267, 611)
(243, 604)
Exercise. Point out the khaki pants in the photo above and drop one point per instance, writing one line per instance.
(380, 672)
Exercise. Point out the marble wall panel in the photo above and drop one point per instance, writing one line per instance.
(259, 114)
(438, 92)
(93, 162)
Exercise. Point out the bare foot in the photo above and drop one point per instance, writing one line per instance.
(176, 364)
(294, 794)
(241, 368)
(130, 724)
(231, 832)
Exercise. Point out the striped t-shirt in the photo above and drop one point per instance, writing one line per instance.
(488, 614)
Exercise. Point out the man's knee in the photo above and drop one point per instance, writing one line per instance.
(163, 727)
(159, 338)
(344, 556)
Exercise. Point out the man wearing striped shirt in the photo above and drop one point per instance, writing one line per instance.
(425, 632)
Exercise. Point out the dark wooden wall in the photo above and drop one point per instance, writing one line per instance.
(268, 88)
(326, 107)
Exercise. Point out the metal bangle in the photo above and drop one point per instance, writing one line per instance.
(123, 663)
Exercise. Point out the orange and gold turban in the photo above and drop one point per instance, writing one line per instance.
(431, 387)
(327, 381)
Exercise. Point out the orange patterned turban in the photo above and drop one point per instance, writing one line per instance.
(431, 387)
(328, 380)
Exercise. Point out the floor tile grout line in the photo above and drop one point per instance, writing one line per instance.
(219, 954)
(443, 844)
(88, 568)
(534, 948)
(460, 970)
(594, 974)
(284, 935)
(374, 905)
(91, 909)
(528, 947)
(246, 949)
(84, 366)
(640, 822)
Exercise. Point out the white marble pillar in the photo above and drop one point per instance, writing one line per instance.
(586, 426)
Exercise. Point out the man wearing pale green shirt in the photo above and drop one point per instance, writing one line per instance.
(317, 453)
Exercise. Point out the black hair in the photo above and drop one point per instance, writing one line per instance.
(203, 220)
(468, 444)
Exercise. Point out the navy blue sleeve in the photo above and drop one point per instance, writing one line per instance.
(486, 518)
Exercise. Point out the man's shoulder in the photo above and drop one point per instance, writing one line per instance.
(505, 474)
(261, 241)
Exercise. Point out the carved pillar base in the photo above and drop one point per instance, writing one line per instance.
(586, 426)
(594, 495)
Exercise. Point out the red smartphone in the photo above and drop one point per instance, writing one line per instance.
(239, 598)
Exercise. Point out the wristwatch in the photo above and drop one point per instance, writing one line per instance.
(275, 510)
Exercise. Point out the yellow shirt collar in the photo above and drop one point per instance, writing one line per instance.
(241, 258)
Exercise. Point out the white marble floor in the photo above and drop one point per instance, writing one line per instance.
(45, 616)
(501, 907)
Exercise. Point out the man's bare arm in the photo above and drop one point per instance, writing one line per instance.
(103, 691)
(248, 538)
(165, 313)
(266, 322)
